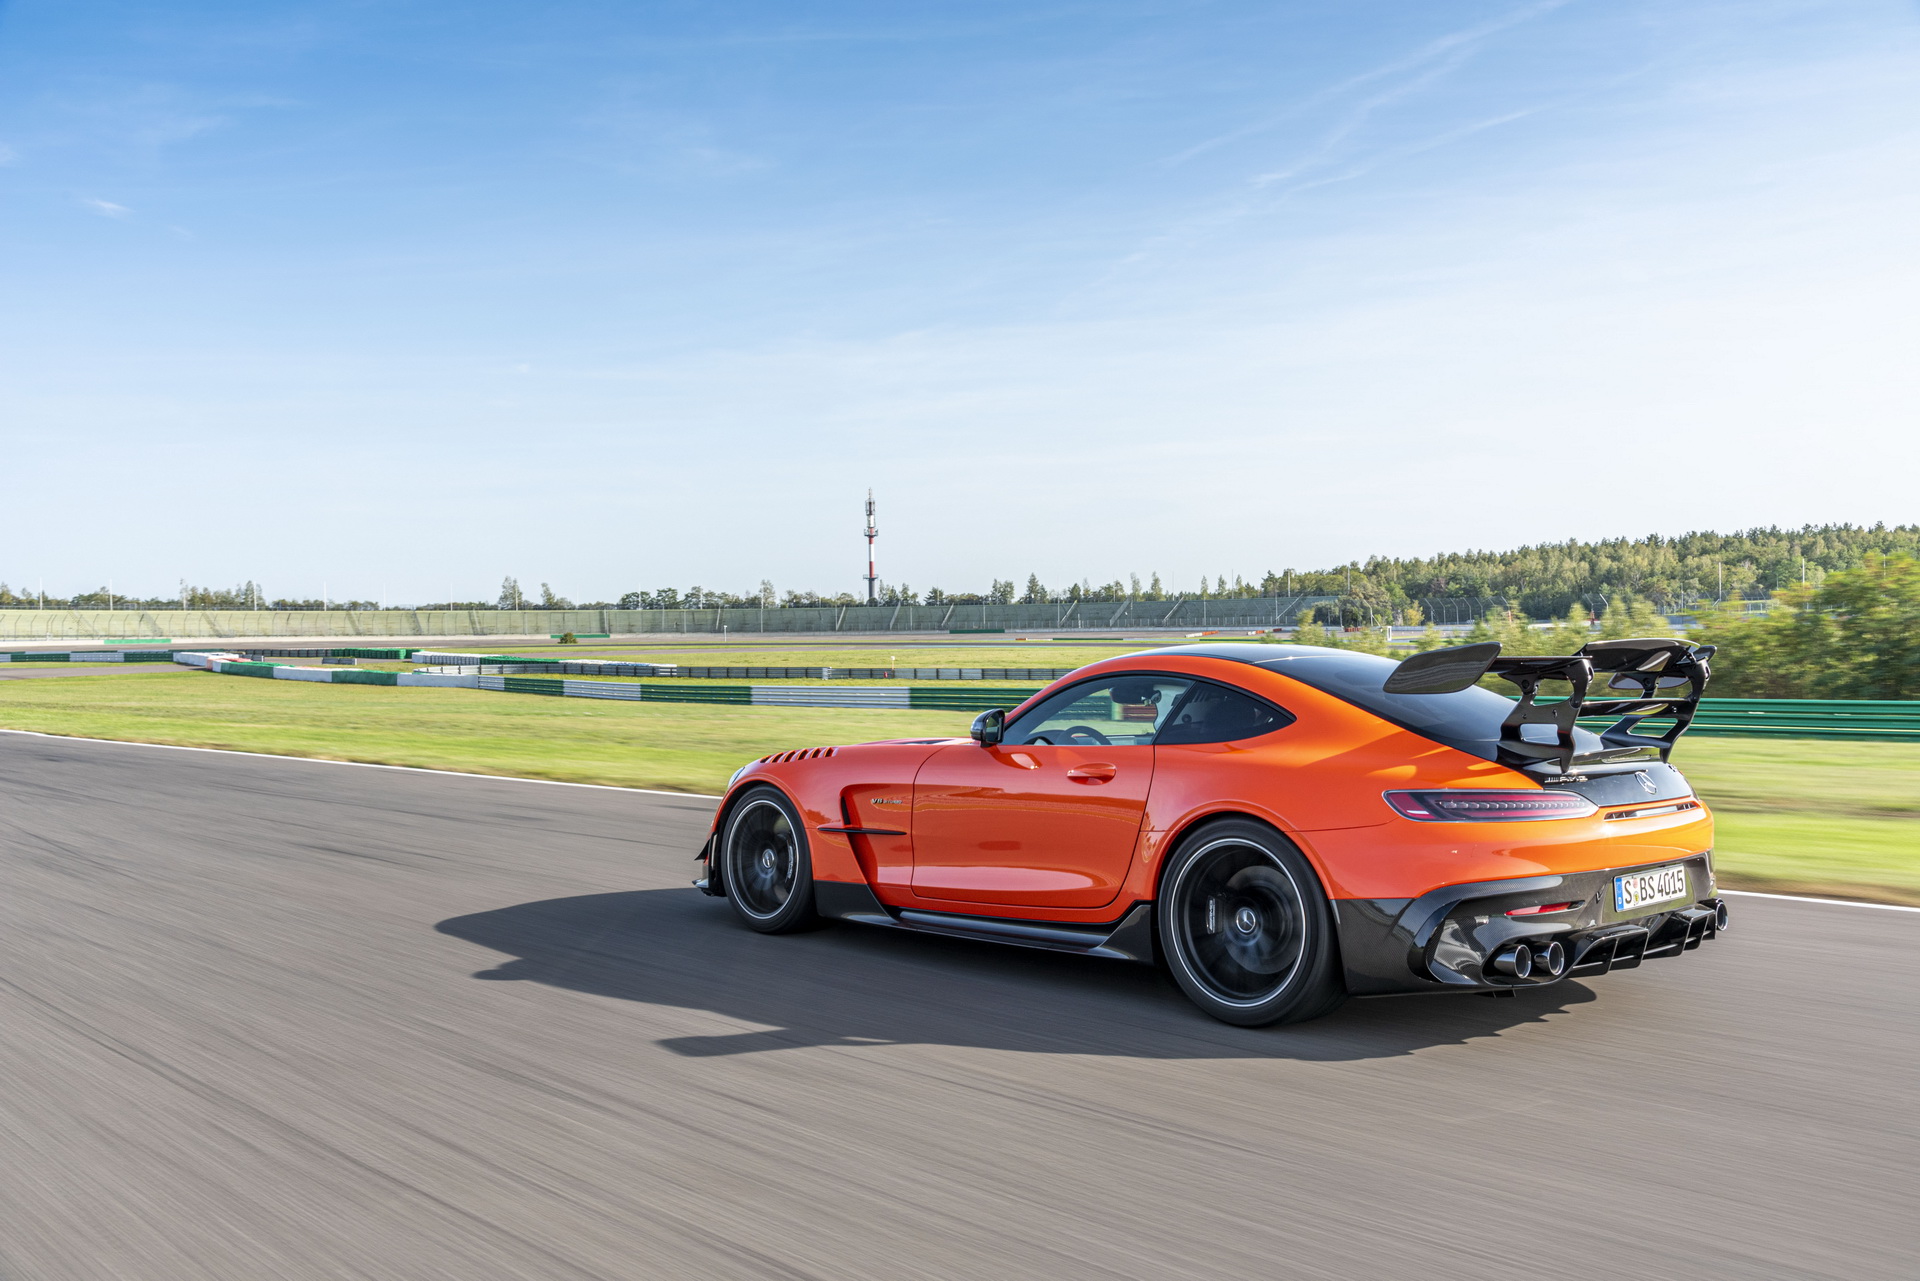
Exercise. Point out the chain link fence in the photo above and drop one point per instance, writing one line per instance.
(1193, 614)
(1066, 617)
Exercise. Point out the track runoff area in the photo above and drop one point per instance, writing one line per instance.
(278, 1017)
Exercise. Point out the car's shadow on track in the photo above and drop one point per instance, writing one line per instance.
(853, 985)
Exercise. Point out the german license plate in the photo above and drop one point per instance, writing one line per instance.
(1638, 891)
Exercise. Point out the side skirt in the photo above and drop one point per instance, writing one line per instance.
(1128, 939)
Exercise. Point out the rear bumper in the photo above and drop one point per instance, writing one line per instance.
(1449, 938)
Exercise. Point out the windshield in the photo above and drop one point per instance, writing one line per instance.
(1469, 719)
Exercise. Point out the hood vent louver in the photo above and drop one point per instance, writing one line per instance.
(800, 754)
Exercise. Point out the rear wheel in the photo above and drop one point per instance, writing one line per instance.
(765, 865)
(1245, 928)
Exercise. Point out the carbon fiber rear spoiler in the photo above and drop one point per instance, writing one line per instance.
(1647, 666)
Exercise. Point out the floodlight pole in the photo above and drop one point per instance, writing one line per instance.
(873, 531)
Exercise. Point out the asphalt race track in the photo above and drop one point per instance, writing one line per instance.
(271, 1018)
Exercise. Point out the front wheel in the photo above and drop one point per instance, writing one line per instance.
(1245, 928)
(766, 870)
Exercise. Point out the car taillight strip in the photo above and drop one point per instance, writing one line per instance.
(1488, 806)
(1544, 909)
(1651, 811)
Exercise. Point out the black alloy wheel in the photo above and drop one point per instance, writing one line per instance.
(1245, 928)
(766, 870)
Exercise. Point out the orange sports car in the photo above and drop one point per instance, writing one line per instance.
(1280, 827)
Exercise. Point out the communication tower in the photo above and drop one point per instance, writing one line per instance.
(873, 531)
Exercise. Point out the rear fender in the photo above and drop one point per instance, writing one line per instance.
(1173, 838)
(1157, 845)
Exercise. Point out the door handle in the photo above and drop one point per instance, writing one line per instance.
(1092, 773)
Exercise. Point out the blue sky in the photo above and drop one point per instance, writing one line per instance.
(402, 297)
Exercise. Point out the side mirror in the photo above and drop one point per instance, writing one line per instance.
(1443, 671)
(990, 726)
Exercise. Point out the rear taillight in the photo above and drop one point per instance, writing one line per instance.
(1485, 806)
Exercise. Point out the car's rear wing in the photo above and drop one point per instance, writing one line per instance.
(1647, 666)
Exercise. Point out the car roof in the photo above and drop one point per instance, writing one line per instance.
(1253, 653)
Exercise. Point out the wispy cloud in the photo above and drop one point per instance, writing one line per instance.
(1391, 154)
(628, 137)
(7, 154)
(1448, 52)
(1337, 155)
(145, 119)
(1355, 118)
(105, 208)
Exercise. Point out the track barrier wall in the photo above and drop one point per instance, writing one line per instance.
(1883, 721)
(1855, 719)
(606, 667)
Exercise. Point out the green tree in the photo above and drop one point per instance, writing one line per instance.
(1856, 635)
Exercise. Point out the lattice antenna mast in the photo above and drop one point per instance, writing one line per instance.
(873, 532)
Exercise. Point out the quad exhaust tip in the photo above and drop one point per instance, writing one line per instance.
(1551, 960)
(1524, 961)
(1515, 959)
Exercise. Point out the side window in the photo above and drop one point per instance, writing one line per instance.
(1123, 709)
(1216, 714)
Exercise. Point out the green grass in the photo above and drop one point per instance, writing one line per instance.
(1812, 815)
(1877, 859)
(676, 746)
(1804, 776)
(1800, 815)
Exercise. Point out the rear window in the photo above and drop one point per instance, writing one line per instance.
(1468, 720)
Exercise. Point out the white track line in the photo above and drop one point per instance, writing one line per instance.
(696, 796)
(1836, 902)
(322, 760)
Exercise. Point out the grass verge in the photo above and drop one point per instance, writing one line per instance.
(1797, 816)
(1812, 816)
(675, 746)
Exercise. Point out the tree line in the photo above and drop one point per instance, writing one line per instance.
(247, 595)
(1671, 574)
(1855, 635)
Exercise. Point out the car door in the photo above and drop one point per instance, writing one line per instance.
(1050, 816)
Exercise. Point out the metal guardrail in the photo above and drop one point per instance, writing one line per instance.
(1842, 718)
(915, 697)
(1889, 720)
(613, 667)
(387, 653)
(1886, 720)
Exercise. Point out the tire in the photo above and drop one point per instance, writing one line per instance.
(765, 865)
(1245, 927)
